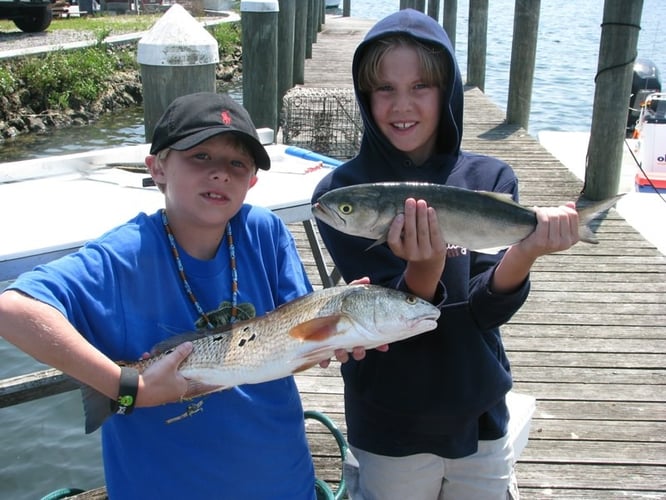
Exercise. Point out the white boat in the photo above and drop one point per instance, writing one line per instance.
(645, 211)
(51, 206)
(332, 4)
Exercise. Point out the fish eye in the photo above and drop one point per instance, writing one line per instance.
(346, 208)
(411, 300)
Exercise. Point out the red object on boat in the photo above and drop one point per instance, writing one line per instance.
(653, 181)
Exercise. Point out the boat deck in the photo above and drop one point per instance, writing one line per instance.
(589, 344)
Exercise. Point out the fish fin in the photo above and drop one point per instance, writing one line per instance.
(317, 328)
(590, 213)
(170, 343)
(96, 407)
(499, 196)
(305, 366)
(377, 242)
(197, 389)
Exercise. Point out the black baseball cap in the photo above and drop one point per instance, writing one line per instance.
(193, 118)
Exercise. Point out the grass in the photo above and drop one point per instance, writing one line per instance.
(61, 79)
(97, 24)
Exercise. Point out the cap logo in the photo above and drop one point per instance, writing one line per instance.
(226, 117)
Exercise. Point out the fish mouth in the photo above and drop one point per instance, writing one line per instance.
(321, 211)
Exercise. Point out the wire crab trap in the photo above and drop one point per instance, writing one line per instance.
(325, 120)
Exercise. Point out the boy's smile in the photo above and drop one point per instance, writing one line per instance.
(204, 187)
(406, 109)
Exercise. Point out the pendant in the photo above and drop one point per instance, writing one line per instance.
(191, 409)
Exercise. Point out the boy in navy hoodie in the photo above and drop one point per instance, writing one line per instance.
(428, 419)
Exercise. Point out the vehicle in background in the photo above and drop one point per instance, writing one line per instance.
(30, 16)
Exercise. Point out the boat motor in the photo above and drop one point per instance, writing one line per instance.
(645, 82)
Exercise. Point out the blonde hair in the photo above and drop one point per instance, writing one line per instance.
(432, 59)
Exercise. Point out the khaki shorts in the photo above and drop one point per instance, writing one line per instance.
(487, 474)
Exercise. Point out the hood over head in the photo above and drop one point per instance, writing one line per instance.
(415, 24)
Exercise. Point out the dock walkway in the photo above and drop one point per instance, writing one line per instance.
(589, 344)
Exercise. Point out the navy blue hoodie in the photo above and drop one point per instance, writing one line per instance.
(442, 391)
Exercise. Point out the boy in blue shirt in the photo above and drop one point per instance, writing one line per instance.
(207, 259)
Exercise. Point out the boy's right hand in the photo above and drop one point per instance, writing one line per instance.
(161, 382)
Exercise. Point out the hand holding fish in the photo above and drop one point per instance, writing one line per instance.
(416, 237)
(161, 382)
(556, 230)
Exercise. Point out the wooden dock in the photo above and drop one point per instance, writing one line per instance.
(589, 344)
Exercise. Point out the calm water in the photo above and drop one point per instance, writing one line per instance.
(44, 447)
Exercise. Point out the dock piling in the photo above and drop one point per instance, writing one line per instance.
(260, 61)
(617, 53)
(177, 57)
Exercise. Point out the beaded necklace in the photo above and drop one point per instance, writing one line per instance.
(186, 284)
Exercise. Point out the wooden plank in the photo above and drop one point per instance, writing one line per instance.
(628, 453)
(597, 430)
(622, 412)
(635, 364)
(597, 477)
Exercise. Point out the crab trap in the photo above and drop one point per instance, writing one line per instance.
(325, 120)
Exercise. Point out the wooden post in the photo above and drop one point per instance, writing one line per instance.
(523, 59)
(346, 8)
(433, 9)
(449, 17)
(314, 14)
(286, 26)
(300, 40)
(177, 57)
(309, 37)
(413, 4)
(476, 43)
(617, 52)
(260, 57)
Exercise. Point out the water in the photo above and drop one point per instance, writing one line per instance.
(44, 447)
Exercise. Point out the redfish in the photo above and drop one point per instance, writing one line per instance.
(293, 337)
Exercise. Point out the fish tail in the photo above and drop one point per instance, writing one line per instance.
(590, 213)
(96, 407)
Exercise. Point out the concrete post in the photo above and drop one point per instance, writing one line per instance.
(260, 57)
(177, 57)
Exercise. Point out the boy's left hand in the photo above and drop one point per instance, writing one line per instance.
(557, 230)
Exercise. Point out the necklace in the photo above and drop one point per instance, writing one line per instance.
(186, 284)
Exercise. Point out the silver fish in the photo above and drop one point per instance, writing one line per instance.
(289, 339)
(477, 220)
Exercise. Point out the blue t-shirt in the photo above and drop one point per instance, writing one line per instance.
(124, 294)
